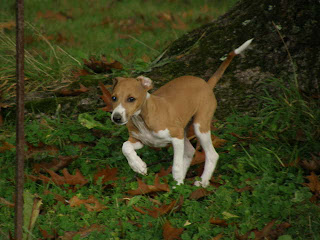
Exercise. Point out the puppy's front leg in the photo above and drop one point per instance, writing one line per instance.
(178, 172)
(135, 162)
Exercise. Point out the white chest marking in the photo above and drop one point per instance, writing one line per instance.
(148, 137)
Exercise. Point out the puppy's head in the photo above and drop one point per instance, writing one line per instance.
(128, 96)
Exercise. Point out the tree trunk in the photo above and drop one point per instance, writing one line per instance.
(286, 45)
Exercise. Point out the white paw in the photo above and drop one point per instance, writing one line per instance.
(177, 184)
(139, 166)
(203, 184)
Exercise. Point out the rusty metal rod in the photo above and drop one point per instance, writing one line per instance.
(20, 139)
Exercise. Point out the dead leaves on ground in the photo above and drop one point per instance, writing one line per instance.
(314, 186)
(67, 178)
(143, 188)
(163, 209)
(102, 65)
(199, 193)
(91, 204)
(57, 16)
(6, 146)
(106, 97)
(108, 174)
(6, 203)
(56, 164)
(7, 25)
(74, 181)
(73, 92)
(312, 164)
(199, 156)
(171, 233)
(270, 231)
(83, 232)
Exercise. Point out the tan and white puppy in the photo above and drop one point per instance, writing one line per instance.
(160, 118)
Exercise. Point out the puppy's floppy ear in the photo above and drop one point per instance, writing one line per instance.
(115, 82)
(146, 82)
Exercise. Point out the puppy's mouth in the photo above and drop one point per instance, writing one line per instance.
(120, 123)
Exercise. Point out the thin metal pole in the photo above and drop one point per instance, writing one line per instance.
(19, 120)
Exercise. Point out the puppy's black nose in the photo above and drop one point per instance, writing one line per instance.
(117, 118)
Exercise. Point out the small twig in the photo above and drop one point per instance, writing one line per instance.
(290, 57)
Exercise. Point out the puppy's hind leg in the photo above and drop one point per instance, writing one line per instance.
(187, 155)
(211, 154)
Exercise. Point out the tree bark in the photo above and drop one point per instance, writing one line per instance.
(286, 45)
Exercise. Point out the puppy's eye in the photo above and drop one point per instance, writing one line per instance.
(113, 98)
(131, 99)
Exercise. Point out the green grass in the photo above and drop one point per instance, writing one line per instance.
(257, 158)
(60, 34)
(258, 179)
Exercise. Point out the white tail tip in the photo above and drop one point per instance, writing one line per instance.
(243, 47)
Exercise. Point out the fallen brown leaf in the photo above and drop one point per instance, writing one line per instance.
(265, 231)
(91, 204)
(270, 231)
(145, 189)
(219, 222)
(242, 138)
(179, 24)
(313, 185)
(7, 25)
(199, 157)
(218, 237)
(73, 92)
(217, 142)
(312, 165)
(60, 16)
(156, 212)
(246, 188)
(139, 209)
(146, 58)
(216, 181)
(164, 16)
(79, 72)
(56, 164)
(32, 150)
(48, 236)
(67, 178)
(6, 146)
(107, 174)
(83, 232)
(106, 97)
(171, 233)
(199, 193)
(5, 202)
(102, 65)
(57, 197)
(164, 172)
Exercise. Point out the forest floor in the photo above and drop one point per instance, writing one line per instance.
(78, 183)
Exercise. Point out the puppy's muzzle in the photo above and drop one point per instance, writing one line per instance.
(117, 118)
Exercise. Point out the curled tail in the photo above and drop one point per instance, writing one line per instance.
(218, 74)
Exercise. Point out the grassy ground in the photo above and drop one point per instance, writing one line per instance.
(60, 34)
(263, 187)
